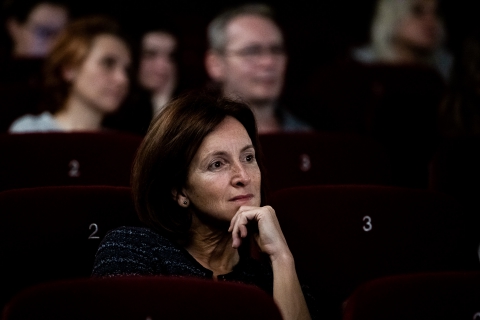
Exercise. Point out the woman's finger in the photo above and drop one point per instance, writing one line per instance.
(238, 226)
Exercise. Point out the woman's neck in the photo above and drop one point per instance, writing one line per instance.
(76, 116)
(406, 54)
(213, 249)
(266, 118)
(159, 99)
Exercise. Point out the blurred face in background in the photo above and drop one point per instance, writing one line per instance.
(253, 63)
(102, 80)
(35, 36)
(157, 70)
(421, 28)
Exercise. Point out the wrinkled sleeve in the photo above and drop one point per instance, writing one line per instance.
(124, 252)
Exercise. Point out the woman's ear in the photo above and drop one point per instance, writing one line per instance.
(180, 198)
(214, 65)
(69, 73)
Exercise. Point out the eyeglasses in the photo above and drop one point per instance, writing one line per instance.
(254, 53)
(43, 32)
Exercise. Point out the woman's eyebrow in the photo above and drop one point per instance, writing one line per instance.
(224, 153)
(250, 146)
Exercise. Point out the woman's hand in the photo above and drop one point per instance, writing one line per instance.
(269, 238)
(286, 288)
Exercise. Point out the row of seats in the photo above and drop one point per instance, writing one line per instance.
(291, 159)
(341, 236)
(146, 298)
(420, 296)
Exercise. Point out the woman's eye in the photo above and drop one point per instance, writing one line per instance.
(215, 165)
(250, 158)
(109, 62)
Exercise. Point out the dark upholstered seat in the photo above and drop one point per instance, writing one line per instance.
(451, 295)
(342, 236)
(142, 298)
(52, 233)
(310, 158)
(52, 159)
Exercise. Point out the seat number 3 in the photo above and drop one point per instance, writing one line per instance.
(367, 226)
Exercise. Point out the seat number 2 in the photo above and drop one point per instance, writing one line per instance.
(93, 235)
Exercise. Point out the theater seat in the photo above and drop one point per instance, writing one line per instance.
(455, 170)
(342, 236)
(146, 298)
(452, 295)
(52, 159)
(51, 233)
(395, 104)
(311, 158)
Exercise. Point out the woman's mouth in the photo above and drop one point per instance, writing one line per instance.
(244, 197)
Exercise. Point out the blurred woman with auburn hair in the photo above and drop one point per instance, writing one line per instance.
(86, 78)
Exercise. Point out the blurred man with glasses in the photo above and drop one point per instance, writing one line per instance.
(247, 58)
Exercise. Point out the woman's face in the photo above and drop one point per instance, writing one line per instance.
(157, 67)
(421, 28)
(101, 81)
(224, 173)
(35, 36)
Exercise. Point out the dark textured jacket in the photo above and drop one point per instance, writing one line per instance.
(144, 252)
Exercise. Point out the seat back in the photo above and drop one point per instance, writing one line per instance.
(51, 233)
(395, 104)
(142, 298)
(450, 295)
(455, 170)
(300, 158)
(53, 159)
(342, 236)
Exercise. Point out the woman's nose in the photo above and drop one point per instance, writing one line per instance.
(121, 76)
(240, 175)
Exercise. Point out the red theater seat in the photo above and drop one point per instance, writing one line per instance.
(49, 159)
(455, 170)
(142, 298)
(51, 233)
(452, 295)
(342, 236)
(299, 158)
(395, 104)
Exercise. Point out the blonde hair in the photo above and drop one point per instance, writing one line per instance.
(388, 16)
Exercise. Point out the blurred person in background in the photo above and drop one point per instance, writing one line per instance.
(407, 32)
(30, 27)
(34, 25)
(156, 78)
(247, 59)
(86, 77)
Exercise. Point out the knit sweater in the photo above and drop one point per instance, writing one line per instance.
(129, 251)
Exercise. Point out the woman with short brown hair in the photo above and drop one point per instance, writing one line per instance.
(197, 186)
